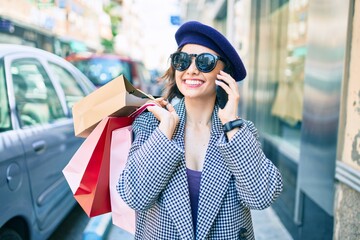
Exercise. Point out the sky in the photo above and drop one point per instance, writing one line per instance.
(155, 39)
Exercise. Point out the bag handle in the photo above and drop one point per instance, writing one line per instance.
(141, 109)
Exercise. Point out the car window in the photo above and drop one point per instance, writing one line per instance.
(72, 89)
(35, 96)
(5, 123)
(102, 70)
(144, 73)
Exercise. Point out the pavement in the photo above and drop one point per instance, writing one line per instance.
(267, 226)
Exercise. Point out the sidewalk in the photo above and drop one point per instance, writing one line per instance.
(267, 226)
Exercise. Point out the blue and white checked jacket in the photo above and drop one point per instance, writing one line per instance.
(236, 177)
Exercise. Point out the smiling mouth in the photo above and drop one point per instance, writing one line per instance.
(191, 82)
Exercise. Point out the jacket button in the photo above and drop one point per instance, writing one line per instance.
(243, 233)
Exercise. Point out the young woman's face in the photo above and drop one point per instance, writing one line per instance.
(192, 82)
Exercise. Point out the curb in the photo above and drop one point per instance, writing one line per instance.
(97, 227)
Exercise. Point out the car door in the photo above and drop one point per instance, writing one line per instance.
(14, 187)
(47, 136)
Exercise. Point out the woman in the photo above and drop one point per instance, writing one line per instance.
(195, 170)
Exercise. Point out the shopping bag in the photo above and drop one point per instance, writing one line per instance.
(116, 98)
(122, 215)
(87, 173)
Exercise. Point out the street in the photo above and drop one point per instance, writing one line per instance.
(266, 225)
(72, 226)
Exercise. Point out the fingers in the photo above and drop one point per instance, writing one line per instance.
(167, 116)
(161, 102)
(162, 110)
(228, 84)
(227, 80)
(229, 112)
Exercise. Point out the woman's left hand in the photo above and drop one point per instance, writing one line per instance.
(229, 112)
(166, 114)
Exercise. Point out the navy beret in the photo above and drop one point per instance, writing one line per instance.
(194, 32)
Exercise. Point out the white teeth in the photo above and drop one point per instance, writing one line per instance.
(193, 82)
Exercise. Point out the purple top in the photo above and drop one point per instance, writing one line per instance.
(194, 178)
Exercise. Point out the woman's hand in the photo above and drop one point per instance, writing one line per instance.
(229, 112)
(167, 116)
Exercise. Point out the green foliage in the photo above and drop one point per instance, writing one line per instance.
(108, 45)
(115, 20)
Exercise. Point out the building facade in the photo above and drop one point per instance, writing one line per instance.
(59, 26)
(303, 94)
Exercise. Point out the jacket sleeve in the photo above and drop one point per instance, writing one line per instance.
(152, 160)
(258, 181)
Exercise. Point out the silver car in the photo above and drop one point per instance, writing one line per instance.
(37, 91)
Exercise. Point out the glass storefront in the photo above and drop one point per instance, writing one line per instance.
(277, 81)
(292, 93)
(288, 102)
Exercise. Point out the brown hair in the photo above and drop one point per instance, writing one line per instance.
(171, 90)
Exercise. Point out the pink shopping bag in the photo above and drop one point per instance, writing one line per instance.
(122, 215)
(87, 172)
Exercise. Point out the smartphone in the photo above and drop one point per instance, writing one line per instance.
(221, 96)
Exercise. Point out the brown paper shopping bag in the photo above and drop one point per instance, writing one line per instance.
(116, 98)
(88, 171)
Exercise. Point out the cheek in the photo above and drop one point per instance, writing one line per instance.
(211, 77)
(178, 77)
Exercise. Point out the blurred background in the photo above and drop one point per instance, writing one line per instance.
(302, 90)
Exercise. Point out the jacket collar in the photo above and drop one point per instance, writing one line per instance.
(214, 182)
(216, 125)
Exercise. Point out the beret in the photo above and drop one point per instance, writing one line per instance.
(194, 32)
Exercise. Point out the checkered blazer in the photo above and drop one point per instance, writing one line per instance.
(236, 177)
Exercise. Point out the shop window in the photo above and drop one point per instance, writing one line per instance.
(285, 78)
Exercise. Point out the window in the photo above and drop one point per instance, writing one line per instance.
(5, 123)
(35, 96)
(72, 90)
(144, 74)
(288, 102)
(275, 98)
(102, 70)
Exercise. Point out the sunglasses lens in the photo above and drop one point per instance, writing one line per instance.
(206, 62)
(180, 61)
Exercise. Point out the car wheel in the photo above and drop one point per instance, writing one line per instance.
(9, 234)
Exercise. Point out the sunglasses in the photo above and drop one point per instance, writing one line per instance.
(205, 62)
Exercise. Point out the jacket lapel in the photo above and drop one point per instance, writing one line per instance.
(177, 201)
(214, 182)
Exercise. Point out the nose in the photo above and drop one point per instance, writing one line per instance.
(192, 68)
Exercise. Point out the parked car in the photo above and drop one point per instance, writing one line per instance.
(101, 68)
(37, 91)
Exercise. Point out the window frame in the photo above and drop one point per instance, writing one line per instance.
(8, 60)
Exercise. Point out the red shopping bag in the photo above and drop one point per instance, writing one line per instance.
(87, 173)
(122, 215)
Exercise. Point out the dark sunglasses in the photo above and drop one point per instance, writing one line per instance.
(205, 62)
